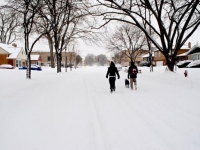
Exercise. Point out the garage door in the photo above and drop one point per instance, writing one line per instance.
(159, 63)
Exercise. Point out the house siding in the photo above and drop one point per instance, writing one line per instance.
(11, 62)
(22, 55)
(2, 51)
(3, 59)
(44, 57)
(158, 56)
(125, 60)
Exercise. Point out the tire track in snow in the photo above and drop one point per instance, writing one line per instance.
(95, 118)
(114, 125)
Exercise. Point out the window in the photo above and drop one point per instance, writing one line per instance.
(48, 58)
(155, 54)
(18, 63)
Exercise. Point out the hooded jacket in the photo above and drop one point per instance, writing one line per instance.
(130, 71)
(112, 71)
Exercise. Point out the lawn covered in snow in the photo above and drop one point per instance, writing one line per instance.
(75, 110)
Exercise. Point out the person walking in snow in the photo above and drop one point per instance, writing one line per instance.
(132, 74)
(112, 71)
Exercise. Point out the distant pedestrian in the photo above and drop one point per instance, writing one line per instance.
(112, 71)
(132, 74)
(186, 73)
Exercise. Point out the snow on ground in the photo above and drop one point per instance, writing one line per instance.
(76, 111)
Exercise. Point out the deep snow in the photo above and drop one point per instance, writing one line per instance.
(75, 110)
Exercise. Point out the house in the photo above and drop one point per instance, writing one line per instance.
(13, 55)
(45, 58)
(146, 57)
(36, 59)
(123, 59)
(159, 59)
(194, 53)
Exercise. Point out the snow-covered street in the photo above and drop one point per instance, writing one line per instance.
(76, 111)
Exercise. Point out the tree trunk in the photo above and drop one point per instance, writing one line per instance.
(50, 41)
(65, 62)
(59, 56)
(28, 71)
(170, 64)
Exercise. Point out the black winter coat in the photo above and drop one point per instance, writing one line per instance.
(112, 71)
(130, 75)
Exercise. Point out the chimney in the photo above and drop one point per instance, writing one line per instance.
(14, 44)
(189, 45)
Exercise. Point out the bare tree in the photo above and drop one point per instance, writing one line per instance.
(72, 54)
(89, 60)
(28, 9)
(118, 57)
(10, 24)
(101, 60)
(78, 59)
(43, 24)
(64, 16)
(129, 41)
(68, 21)
(173, 21)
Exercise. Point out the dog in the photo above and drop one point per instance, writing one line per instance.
(126, 83)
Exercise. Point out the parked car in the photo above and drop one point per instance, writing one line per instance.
(6, 66)
(33, 67)
(144, 63)
(183, 64)
(194, 64)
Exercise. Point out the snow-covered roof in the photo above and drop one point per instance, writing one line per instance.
(35, 57)
(193, 49)
(147, 55)
(183, 54)
(13, 51)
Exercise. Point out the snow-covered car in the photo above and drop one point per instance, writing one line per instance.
(144, 63)
(183, 64)
(194, 64)
(119, 67)
(33, 67)
(6, 66)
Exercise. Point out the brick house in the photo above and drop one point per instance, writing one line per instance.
(36, 59)
(46, 59)
(125, 60)
(13, 55)
(159, 59)
(192, 54)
